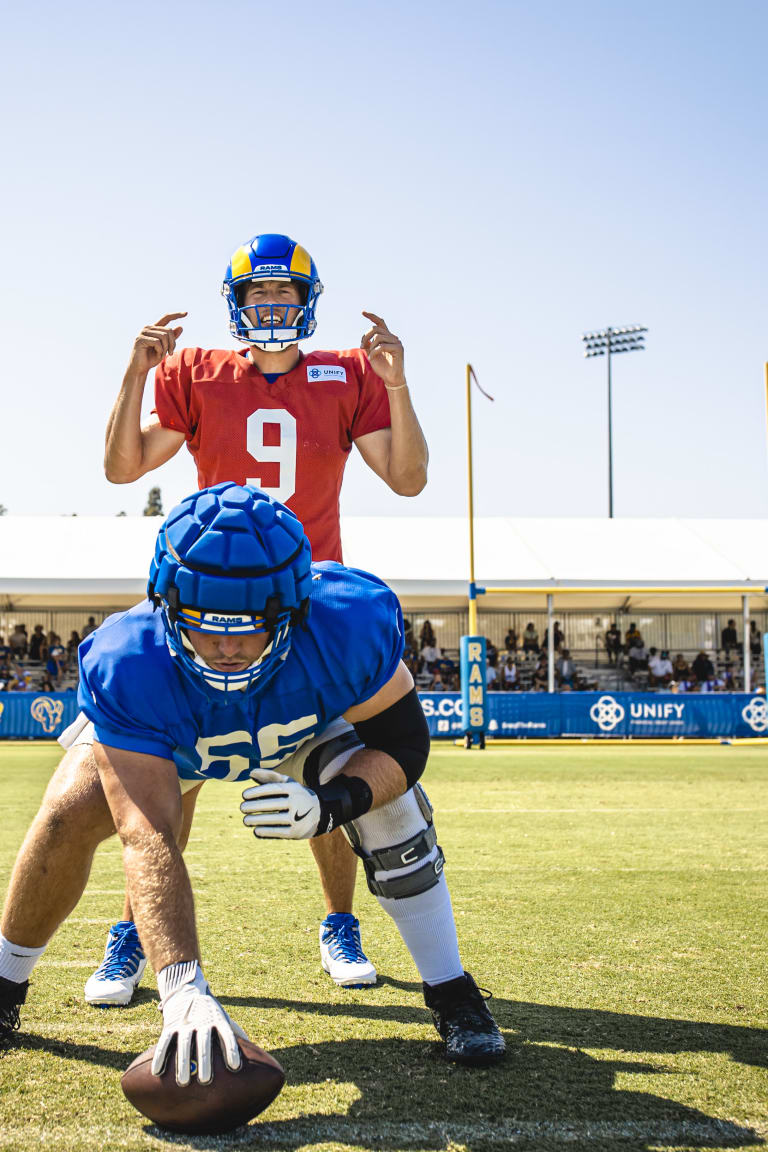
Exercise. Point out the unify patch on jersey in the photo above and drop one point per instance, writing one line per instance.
(326, 372)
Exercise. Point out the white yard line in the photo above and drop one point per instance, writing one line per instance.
(324, 1130)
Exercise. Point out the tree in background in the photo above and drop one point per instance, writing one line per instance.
(154, 503)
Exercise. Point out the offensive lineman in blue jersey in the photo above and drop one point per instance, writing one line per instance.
(257, 664)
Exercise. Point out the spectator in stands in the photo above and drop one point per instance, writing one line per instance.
(729, 638)
(19, 642)
(660, 669)
(56, 658)
(755, 640)
(46, 684)
(423, 677)
(637, 654)
(558, 637)
(491, 675)
(409, 648)
(510, 640)
(72, 646)
(37, 644)
(530, 639)
(430, 654)
(438, 684)
(491, 653)
(703, 668)
(509, 680)
(21, 681)
(632, 634)
(541, 675)
(680, 668)
(566, 670)
(427, 635)
(446, 668)
(613, 643)
(91, 626)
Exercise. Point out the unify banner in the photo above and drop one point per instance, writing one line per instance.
(27, 715)
(610, 714)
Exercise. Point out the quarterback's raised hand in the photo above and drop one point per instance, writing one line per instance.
(385, 352)
(153, 343)
(280, 807)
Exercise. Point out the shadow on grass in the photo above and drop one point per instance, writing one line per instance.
(547, 1093)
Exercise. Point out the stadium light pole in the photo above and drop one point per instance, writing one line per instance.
(609, 342)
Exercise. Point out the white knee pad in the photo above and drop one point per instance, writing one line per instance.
(397, 842)
(398, 846)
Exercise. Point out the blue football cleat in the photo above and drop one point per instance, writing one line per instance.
(341, 952)
(118, 975)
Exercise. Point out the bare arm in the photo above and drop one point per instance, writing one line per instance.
(131, 450)
(145, 801)
(382, 774)
(397, 454)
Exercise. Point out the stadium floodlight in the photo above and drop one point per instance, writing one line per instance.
(609, 342)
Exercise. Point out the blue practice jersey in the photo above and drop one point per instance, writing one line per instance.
(138, 699)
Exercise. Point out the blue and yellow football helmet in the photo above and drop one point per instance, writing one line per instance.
(271, 257)
(230, 560)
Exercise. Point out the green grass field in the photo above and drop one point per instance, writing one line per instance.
(613, 899)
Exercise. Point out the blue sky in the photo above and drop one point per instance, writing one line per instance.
(494, 179)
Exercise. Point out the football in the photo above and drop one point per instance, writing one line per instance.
(229, 1100)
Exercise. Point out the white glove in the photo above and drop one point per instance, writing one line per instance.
(280, 807)
(187, 1012)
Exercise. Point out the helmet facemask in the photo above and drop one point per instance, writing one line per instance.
(251, 678)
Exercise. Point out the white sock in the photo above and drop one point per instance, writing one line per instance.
(17, 962)
(428, 929)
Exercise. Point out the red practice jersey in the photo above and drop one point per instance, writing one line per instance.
(291, 438)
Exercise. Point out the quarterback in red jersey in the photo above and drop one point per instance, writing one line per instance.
(294, 445)
(286, 422)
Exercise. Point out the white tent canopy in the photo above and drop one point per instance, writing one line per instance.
(98, 562)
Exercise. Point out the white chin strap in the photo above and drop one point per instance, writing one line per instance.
(203, 664)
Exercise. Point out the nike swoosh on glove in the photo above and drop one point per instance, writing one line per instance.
(189, 1013)
(279, 807)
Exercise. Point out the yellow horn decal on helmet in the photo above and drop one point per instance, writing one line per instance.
(241, 263)
(301, 262)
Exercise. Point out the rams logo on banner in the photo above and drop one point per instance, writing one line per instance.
(47, 712)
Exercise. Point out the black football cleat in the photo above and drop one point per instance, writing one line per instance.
(462, 1018)
(12, 996)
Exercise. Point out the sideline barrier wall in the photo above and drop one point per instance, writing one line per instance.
(36, 715)
(538, 715)
(32, 715)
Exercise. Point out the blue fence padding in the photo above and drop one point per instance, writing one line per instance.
(36, 715)
(32, 715)
(617, 714)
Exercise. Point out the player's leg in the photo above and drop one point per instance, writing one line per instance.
(50, 874)
(341, 950)
(404, 869)
(115, 981)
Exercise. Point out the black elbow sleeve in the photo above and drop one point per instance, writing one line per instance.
(402, 732)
